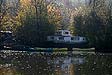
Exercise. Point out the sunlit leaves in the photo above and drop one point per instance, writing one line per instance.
(54, 15)
(9, 23)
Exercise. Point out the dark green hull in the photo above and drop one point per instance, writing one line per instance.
(63, 45)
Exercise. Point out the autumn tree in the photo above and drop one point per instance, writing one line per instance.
(35, 25)
(54, 15)
(95, 24)
(8, 13)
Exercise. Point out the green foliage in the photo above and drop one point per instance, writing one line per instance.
(35, 26)
(96, 26)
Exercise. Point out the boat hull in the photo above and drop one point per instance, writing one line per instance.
(63, 45)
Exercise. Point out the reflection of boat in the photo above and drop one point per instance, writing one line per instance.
(66, 65)
(63, 38)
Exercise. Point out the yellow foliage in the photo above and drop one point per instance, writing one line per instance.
(25, 2)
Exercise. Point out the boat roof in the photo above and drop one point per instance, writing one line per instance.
(63, 30)
(5, 32)
(65, 36)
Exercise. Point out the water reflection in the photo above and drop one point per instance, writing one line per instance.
(26, 63)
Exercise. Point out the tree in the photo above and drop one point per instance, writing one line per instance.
(35, 26)
(96, 24)
(54, 15)
(8, 15)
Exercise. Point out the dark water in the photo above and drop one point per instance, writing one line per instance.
(78, 63)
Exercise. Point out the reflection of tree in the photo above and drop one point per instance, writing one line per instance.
(32, 64)
(36, 64)
(95, 65)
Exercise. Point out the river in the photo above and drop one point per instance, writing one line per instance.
(57, 63)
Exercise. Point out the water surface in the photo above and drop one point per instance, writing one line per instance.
(34, 63)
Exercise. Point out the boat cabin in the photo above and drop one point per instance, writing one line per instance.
(63, 33)
(64, 36)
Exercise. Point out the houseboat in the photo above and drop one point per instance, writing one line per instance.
(63, 38)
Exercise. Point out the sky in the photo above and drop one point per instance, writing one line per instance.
(70, 3)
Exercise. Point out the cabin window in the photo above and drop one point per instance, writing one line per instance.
(83, 38)
(76, 38)
(52, 37)
(61, 38)
(72, 38)
(66, 33)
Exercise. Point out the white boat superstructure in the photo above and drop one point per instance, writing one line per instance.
(64, 36)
